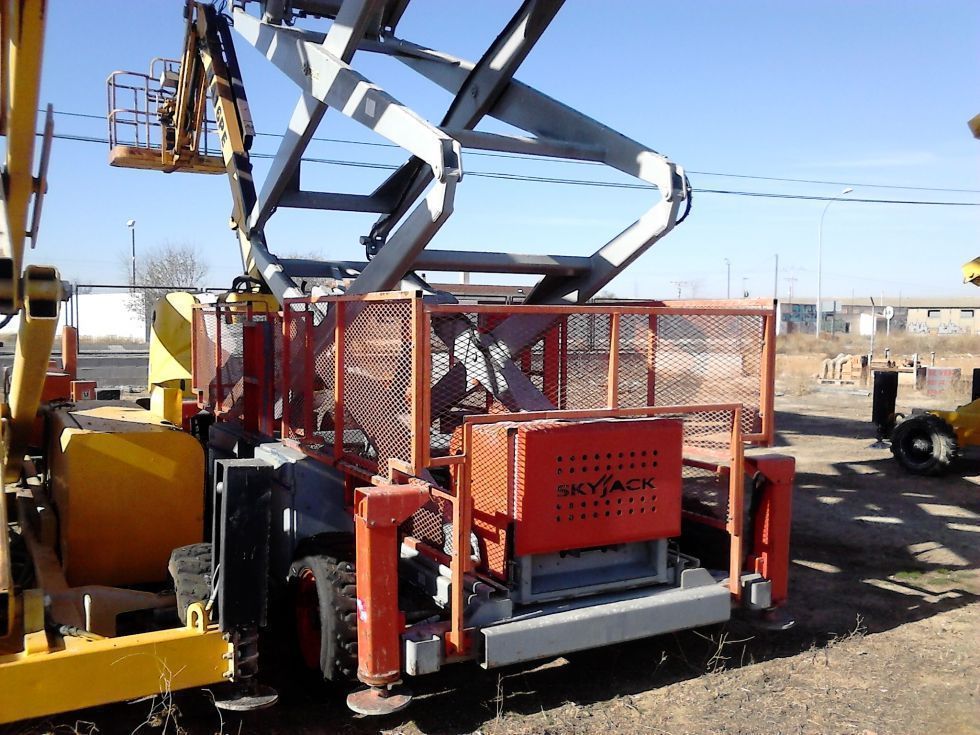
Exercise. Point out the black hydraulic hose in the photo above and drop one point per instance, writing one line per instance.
(689, 195)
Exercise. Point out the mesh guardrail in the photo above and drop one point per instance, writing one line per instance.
(369, 379)
(218, 365)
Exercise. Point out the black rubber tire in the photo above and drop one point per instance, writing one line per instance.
(924, 444)
(333, 613)
(190, 569)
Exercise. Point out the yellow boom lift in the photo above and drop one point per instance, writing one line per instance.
(113, 472)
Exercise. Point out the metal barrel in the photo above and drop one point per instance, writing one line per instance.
(940, 380)
(883, 398)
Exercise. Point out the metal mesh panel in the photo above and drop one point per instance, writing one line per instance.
(705, 493)
(278, 356)
(218, 362)
(493, 492)
(586, 373)
(377, 380)
(432, 524)
(202, 353)
(708, 358)
(266, 368)
(636, 351)
(486, 362)
(296, 377)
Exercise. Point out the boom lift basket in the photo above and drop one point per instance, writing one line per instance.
(141, 118)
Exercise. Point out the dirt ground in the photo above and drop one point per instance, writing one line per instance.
(884, 589)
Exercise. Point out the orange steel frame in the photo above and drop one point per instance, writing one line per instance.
(462, 501)
(421, 313)
(411, 469)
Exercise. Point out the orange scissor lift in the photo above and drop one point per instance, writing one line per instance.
(422, 481)
(653, 407)
(426, 481)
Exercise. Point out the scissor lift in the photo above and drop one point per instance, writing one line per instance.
(385, 459)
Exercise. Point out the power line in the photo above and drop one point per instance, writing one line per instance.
(500, 175)
(490, 154)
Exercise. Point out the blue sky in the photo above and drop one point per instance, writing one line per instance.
(873, 92)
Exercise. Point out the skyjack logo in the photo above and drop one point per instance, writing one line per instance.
(606, 485)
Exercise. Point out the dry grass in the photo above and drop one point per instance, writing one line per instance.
(899, 344)
(796, 380)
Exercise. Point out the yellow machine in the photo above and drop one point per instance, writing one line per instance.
(120, 486)
(127, 487)
(927, 442)
(971, 272)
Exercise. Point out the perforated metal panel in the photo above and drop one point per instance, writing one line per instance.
(596, 483)
(492, 488)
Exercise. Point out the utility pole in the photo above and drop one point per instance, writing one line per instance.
(728, 278)
(775, 279)
(844, 193)
(680, 285)
(131, 224)
(745, 288)
(791, 280)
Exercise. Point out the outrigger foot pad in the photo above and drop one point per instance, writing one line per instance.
(245, 697)
(375, 701)
(775, 618)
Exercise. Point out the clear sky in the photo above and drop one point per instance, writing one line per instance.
(854, 92)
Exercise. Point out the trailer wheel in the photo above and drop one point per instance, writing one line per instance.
(924, 444)
(190, 568)
(325, 604)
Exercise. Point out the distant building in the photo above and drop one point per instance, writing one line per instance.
(915, 316)
(955, 319)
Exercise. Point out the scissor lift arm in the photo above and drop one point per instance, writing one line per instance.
(418, 198)
(319, 65)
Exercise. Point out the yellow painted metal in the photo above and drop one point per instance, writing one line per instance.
(258, 301)
(85, 673)
(167, 403)
(35, 638)
(971, 272)
(170, 343)
(127, 156)
(23, 42)
(42, 286)
(965, 421)
(128, 489)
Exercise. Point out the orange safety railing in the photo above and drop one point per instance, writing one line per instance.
(236, 356)
(391, 376)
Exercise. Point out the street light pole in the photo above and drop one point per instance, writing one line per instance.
(846, 191)
(728, 278)
(131, 224)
